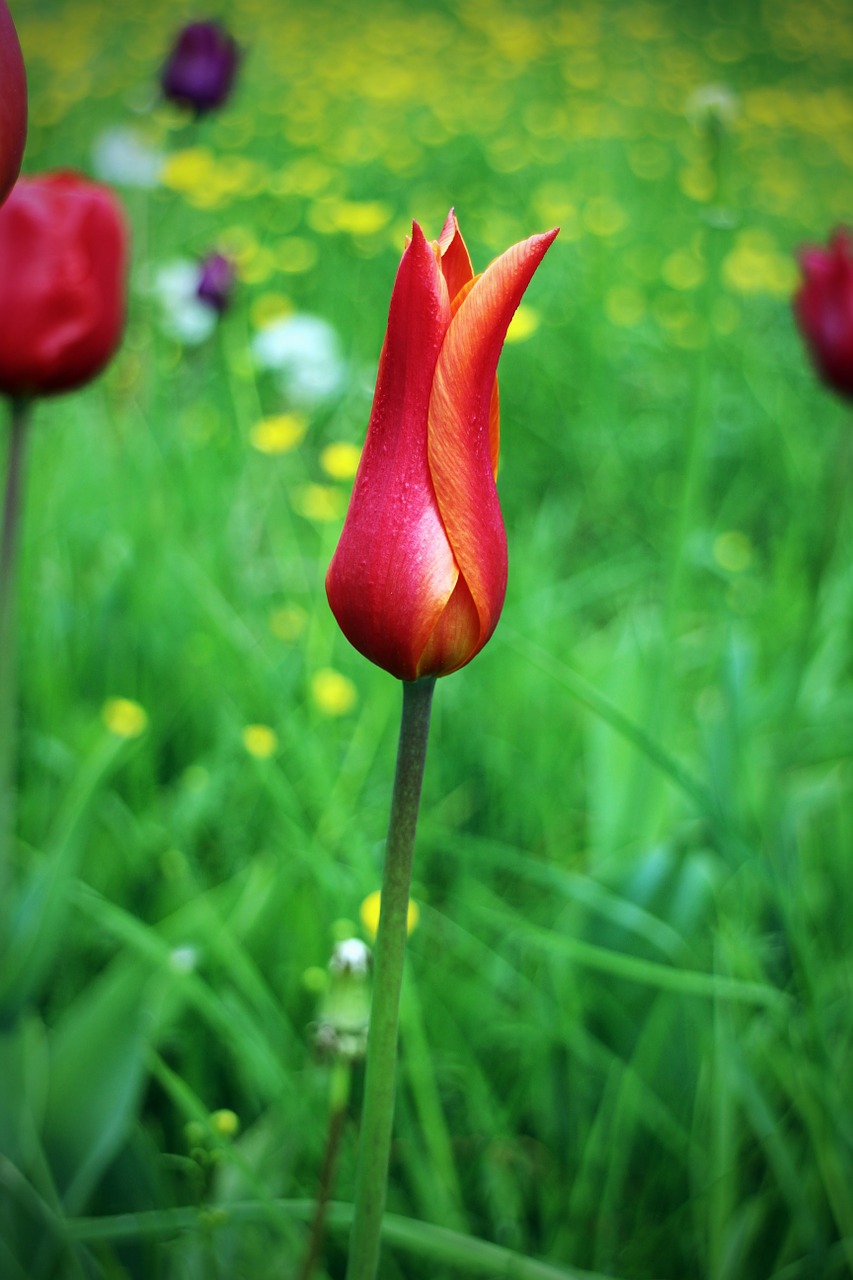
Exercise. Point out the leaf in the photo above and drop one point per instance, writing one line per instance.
(97, 1056)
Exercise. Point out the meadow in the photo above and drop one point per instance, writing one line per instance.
(627, 1038)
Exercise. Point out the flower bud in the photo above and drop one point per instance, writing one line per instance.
(345, 1015)
(200, 69)
(823, 307)
(216, 281)
(63, 268)
(418, 579)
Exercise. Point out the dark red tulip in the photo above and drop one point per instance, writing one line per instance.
(13, 103)
(216, 281)
(823, 306)
(200, 69)
(417, 582)
(63, 268)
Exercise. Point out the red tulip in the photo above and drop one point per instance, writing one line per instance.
(823, 307)
(418, 579)
(13, 103)
(63, 263)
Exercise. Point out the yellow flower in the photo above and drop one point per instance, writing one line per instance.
(124, 718)
(260, 741)
(524, 323)
(189, 171)
(319, 502)
(269, 307)
(340, 460)
(333, 693)
(369, 912)
(279, 433)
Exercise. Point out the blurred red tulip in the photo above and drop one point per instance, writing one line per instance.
(417, 582)
(823, 306)
(200, 69)
(13, 103)
(63, 267)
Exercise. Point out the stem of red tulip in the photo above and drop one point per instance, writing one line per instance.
(378, 1107)
(9, 538)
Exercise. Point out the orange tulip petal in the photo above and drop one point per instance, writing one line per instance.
(456, 636)
(393, 571)
(460, 411)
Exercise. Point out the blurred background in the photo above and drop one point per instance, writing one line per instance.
(626, 1036)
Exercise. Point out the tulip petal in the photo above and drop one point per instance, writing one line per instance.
(455, 260)
(393, 571)
(455, 637)
(460, 409)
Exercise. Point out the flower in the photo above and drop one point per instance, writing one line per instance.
(823, 307)
(200, 69)
(13, 103)
(304, 351)
(216, 281)
(193, 295)
(63, 268)
(371, 906)
(124, 156)
(278, 433)
(260, 741)
(342, 1028)
(418, 579)
(124, 718)
(333, 693)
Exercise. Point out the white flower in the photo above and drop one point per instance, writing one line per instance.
(351, 956)
(184, 316)
(123, 156)
(304, 350)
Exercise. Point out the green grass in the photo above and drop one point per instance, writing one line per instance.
(626, 1032)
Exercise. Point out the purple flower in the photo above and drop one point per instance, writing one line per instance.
(216, 281)
(823, 307)
(200, 69)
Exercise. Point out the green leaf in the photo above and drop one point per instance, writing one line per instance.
(97, 1056)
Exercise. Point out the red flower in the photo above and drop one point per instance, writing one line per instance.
(13, 103)
(63, 263)
(418, 580)
(823, 307)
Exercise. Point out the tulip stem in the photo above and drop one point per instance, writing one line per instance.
(379, 1084)
(9, 539)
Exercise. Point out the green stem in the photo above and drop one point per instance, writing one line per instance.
(339, 1089)
(9, 539)
(378, 1111)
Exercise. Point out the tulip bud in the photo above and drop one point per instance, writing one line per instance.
(823, 307)
(63, 264)
(13, 103)
(417, 582)
(200, 69)
(216, 281)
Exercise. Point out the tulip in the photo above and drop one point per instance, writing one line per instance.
(13, 103)
(200, 69)
(216, 282)
(63, 263)
(823, 307)
(418, 579)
